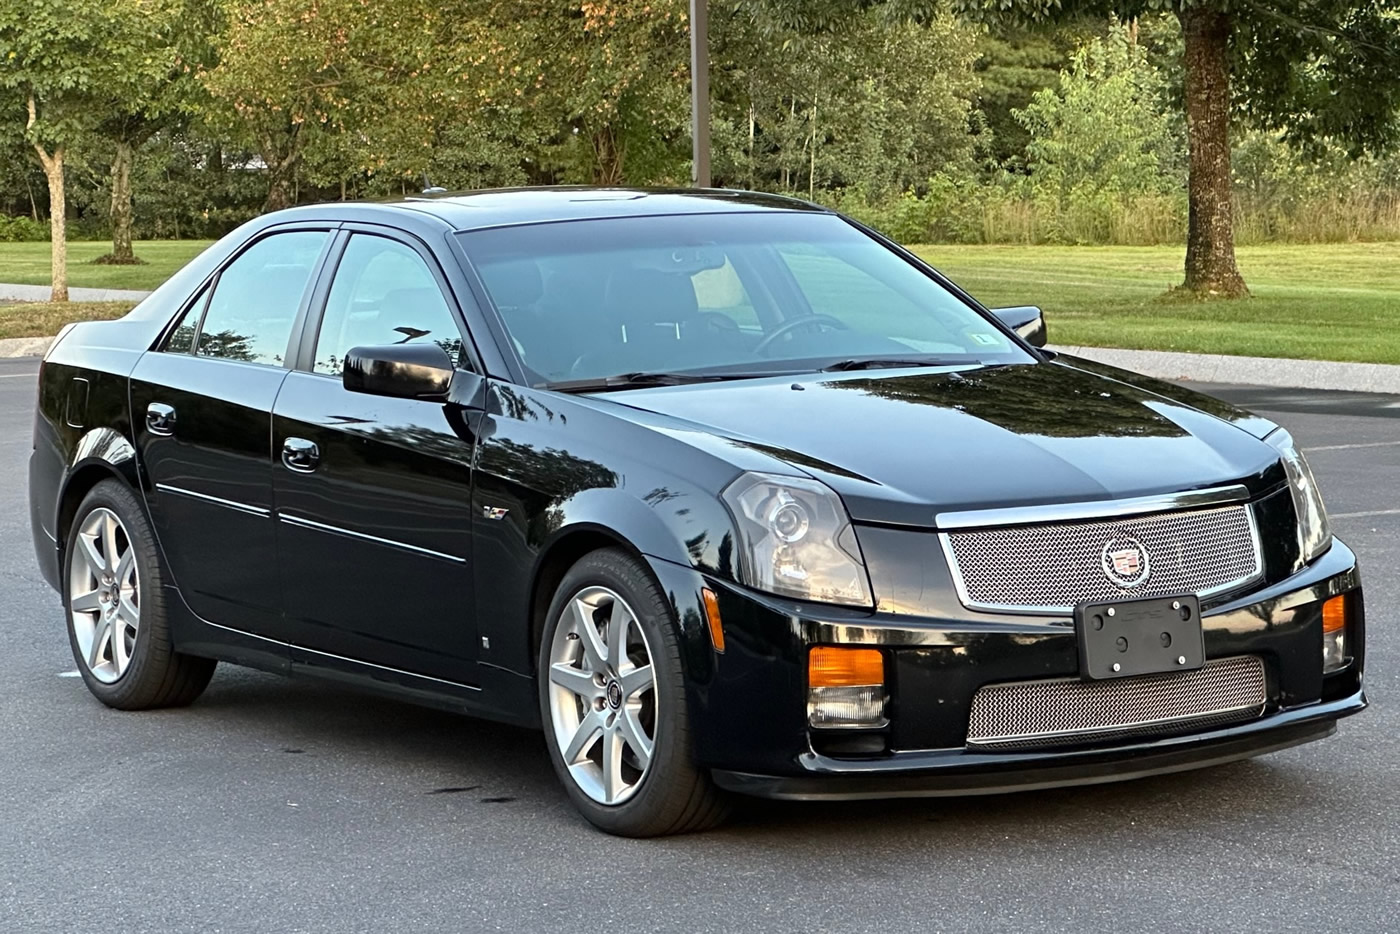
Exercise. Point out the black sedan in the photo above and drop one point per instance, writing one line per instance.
(724, 491)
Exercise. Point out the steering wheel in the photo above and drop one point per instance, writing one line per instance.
(794, 324)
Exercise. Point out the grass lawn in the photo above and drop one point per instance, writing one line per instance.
(1327, 301)
(42, 319)
(28, 264)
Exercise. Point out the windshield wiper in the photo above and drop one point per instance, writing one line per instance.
(638, 381)
(876, 363)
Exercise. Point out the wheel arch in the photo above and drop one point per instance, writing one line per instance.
(565, 548)
(101, 454)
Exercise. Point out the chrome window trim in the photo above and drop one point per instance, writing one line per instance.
(1097, 509)
(955, 572)
(216, 500)
(337, 530)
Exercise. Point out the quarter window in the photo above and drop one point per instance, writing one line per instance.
(383, 293)
(181, 340)
(256, 299)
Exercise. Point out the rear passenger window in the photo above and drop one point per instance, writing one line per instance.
(256, 299)
(383, 293)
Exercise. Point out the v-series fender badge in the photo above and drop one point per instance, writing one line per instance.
(494, 512)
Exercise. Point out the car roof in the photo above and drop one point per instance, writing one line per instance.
(474, 210)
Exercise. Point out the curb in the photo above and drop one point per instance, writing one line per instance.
(1253, 371)
(41, 293)
(24, 346)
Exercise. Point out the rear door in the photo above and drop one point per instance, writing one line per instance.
(202, 409)
(374, 494)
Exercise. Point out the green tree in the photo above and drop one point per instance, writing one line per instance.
(330, 87)
(1316, 68)
(603, 83)
(66, 63)
(1103, 138)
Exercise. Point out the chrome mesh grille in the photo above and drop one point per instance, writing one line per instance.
(1052, 567)
(1062, 712)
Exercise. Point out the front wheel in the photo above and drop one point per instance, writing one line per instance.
(612, 696)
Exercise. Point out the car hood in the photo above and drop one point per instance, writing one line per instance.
(901, 446)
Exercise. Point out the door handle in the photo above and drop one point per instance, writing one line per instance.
(300, 455)
(160, 419)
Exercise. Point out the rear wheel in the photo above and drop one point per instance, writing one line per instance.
(612, 696)
(114, 598)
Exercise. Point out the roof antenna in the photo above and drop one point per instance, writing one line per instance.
(429, 188)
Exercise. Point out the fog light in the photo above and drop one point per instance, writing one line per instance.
(846, 688)
(1334, 634)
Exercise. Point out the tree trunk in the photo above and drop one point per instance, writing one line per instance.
(58, 223)
(279, 191)
(607, 157)
(121, 205)
(58, 209)
(1210, 236)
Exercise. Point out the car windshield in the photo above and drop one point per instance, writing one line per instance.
(721, 294)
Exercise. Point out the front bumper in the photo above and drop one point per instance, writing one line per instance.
(748, 705)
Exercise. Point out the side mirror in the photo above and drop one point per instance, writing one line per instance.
(1025, 320)
(404, 371)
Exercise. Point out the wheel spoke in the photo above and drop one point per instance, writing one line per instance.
(584, 736)
(120, 656)
(128, 613)
(631, 731)
(619, 621)
(635, 681)
(101, 634)
(96, 564)
(576, 680)
(612, 765)
(593, 648)
(89, 602)
(109, 540)
(124, 565)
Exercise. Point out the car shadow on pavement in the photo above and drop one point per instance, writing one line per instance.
(429, 752)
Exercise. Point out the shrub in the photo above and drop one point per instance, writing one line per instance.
(22, 230)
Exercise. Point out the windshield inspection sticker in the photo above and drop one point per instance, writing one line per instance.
(986, 340)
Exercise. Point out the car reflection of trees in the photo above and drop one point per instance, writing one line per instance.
(230, 345)
(520, 407)
(543, 479)
(1029, 400)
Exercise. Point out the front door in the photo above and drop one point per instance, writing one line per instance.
(373, 494)
(202, 411)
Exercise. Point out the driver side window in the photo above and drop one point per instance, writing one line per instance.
(383, 293)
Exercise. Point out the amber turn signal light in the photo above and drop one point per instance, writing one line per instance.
(712, 616)
(831, 666)
(1334, 614)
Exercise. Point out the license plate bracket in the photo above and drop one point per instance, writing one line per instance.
(1122, 638)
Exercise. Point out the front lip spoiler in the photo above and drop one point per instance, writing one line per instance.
(921, 775)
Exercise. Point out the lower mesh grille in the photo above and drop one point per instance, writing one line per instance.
(1067, 711)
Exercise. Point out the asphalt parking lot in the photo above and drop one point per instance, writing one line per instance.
(274, 805)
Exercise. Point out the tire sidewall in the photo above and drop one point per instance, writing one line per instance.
(671, 763)
(117, 497)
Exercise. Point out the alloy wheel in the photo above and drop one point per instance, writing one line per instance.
(104, 595)
(602, 695)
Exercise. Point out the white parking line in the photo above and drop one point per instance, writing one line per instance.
(1349, 447)
(1363, 515)
(18, 375)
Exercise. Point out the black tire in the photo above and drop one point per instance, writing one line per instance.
(674, 795)
(156, 675)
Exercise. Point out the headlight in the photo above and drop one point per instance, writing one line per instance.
(1314, 534)
(796, 540)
